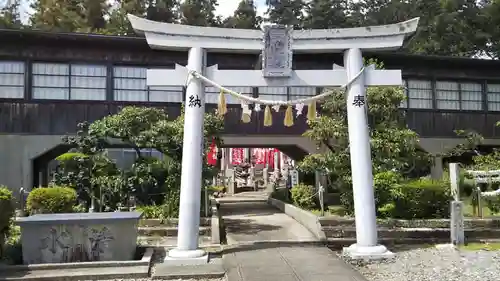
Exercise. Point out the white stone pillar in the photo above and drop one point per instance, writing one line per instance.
(276, 160)
(361, 164)
(192, 161)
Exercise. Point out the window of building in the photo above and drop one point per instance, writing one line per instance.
(302, 92)
(130, 85)
(273, 93)
(471, 96)
(419, 93)
(454, 95)
(493, 94)
(88, 82)
(447, 95)
(51, 81)
(212, 94)
(64, 81)
(12, 79)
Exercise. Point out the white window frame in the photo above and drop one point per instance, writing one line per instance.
(171, 94)
(9, 71)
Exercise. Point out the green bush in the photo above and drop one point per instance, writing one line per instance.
(420, 199)
(383, 184)
(152, 211)
(303, 196)
(6, 214)
(467, 186)
(12, 252)
(50, 200)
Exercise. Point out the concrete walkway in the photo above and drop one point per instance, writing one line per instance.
(267, 245)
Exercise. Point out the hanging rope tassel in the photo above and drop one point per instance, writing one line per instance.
(245, 117)
(288, 122)
(222, 106)
(268, 117)
(311, 111)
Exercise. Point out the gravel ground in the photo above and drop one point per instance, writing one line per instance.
(435, 264)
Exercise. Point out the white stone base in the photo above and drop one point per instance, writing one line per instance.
(378, 252)
(189, 257)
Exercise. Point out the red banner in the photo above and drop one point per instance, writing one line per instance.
(237, 156)
(212, 154)
(259, 155)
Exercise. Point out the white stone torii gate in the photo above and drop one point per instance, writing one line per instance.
(277, 71)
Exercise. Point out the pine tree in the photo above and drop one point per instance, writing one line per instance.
(199, 13)
(322, 14)
(94, 12)
(289, 12)
(9, 15)
(57, 15)
(163, 10)
(118, 23)
(69, 15)
(245, 16)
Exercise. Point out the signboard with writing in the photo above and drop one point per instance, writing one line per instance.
(277, 52)
(294, 175)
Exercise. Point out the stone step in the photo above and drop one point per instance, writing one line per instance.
(170, 241)
(169, 222)
(412, 233)
(101, 273)
(167, 230)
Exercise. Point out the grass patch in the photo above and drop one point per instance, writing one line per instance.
(470, 211)
(337, 211)
(481, 247)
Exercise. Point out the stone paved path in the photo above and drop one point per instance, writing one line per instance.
(267, 245)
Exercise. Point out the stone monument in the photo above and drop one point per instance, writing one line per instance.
(277, 48)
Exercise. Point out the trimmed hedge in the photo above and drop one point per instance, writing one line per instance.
(6, 214)
(303, 196)
(420, 199)
(50, 200)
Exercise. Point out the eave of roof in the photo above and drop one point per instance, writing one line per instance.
(136, 40)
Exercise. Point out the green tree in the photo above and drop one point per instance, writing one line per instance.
(457, 29)
(9, 15)
(289, 12)
(446, 27)
(199, 13)
(57, 15)
(118, 23)
(394, 146)
(163, 10)
(245, 16)
(491, 16)
(69, 15)
(322, 14)
(94, 12)
(89, 170)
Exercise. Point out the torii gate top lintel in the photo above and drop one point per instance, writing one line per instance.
(168, 36)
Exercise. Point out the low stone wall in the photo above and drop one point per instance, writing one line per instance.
(397, 223)
(77, 237)
(163, 232)
(413, 231)
(307, 219)
(342, 231)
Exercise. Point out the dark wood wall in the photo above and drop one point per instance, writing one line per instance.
(29, 116)
(56, 118)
